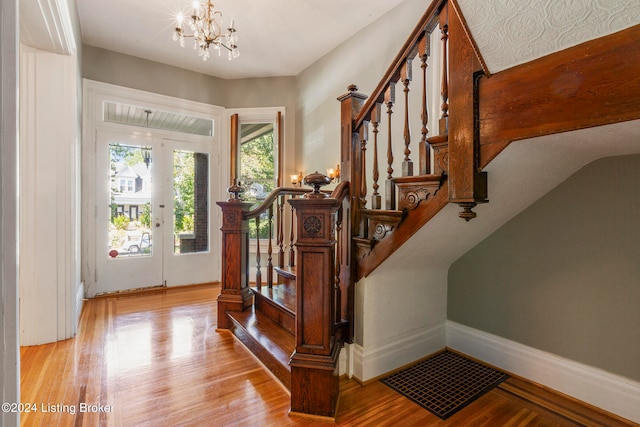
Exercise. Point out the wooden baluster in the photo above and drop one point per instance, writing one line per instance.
(364, 134)
(407, 164)
(376, 199)
(292, 253)
(280, 240)
(270, 249)
(258, 272)
(390, 199)
(444, 119)
(425, 148)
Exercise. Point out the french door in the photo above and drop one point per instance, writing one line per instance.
(152, 212)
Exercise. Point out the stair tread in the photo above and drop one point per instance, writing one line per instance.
(271, 336)
(288, 272)
(383, 214)
(419, 178)
(282, 294)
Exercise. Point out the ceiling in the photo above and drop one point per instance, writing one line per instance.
(283, 37)
(275, 37)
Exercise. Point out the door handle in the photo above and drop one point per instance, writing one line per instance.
(157, 224)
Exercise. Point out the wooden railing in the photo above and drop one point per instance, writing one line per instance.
(276, 216)
(308, 230)
(236, 264)
(438, 62)
(381, 112)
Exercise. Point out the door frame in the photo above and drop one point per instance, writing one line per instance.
(94, 96)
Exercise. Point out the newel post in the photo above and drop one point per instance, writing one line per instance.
(351, 104)
(235, 294)
(314, 363)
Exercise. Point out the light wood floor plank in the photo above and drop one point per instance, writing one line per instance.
(156, 359)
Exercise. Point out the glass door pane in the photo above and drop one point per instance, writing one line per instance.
(130, 192)
(190, 202)
(128, 222)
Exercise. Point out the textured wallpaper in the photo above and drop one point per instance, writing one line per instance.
(512, 32)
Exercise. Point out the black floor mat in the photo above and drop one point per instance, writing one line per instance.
(445, 382)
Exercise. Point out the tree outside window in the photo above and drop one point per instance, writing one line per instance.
(257, 167)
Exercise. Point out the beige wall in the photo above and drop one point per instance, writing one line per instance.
(360, 60)
(137, 73)
(563, 276)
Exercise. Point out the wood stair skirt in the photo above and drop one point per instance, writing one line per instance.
(268, 328)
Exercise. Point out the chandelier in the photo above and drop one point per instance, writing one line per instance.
(206, 26)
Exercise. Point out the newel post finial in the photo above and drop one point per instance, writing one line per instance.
(234, 192)
(316, 180)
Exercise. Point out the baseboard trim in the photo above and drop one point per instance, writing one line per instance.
(372, 362)
(610, 392)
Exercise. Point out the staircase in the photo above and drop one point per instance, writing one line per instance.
(297, 320)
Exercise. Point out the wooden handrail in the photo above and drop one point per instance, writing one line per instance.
(268, 201)
(341, 191)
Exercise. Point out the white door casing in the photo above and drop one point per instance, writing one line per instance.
(203, 267)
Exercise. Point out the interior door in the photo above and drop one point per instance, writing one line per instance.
(129, 212)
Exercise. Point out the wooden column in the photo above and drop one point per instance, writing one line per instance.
(235, 294)
(314, 363)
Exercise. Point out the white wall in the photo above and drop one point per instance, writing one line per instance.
(49, 208)
(49, 152)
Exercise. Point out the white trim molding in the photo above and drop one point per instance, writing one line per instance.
(610, 392)
(371, 362)
(46, 25)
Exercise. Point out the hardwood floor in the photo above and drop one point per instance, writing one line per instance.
(156, 359)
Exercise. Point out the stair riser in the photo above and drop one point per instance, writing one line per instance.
(283, 373)
(276, 313)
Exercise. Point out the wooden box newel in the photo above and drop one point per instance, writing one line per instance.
(235, 294)
(314, 363)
